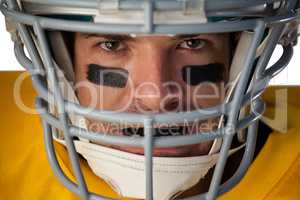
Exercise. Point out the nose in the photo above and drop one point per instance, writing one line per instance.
(155, 90)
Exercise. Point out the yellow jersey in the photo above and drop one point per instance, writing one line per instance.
(25, 173)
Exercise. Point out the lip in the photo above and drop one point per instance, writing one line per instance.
(178, 151)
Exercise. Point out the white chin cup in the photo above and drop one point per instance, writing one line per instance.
(125, 172)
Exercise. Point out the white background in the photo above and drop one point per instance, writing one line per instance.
(290, 76)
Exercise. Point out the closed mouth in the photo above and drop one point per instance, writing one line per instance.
(177, 151)
(158, 132)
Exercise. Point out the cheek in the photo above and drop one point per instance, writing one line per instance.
(194, 75)
(101, 97)
(207, 94)
(107, 76)
(190, 74)
(97, 96)
(201, 94)
(83, 94)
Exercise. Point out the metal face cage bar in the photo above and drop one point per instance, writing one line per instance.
(44, 58)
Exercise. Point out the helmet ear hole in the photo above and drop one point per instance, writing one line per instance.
(62, 51)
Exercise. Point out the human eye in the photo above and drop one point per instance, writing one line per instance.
(192, 44)
(112, 45)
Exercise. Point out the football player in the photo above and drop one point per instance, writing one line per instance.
(150, 100)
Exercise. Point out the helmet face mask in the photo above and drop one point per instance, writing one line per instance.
(66, 76)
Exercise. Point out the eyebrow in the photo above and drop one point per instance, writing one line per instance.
(182, 36)
(128, 37)
(108, 36)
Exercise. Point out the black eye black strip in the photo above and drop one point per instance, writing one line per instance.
(196, 74)
(107, 76)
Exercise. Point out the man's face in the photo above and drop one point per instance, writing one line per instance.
(152, 74)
